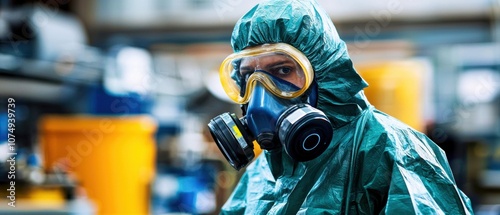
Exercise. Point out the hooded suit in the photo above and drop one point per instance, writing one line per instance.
(375, 164)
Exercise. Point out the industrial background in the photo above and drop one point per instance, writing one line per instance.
(105, 102)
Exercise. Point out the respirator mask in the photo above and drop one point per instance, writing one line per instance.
(274, 85)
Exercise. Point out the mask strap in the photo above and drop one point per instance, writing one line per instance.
(312, 94)
(358, 134)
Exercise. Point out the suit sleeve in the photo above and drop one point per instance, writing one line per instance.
(421, 180)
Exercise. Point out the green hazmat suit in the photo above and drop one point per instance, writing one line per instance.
(375, 164)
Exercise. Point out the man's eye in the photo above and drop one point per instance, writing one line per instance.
(283, 70)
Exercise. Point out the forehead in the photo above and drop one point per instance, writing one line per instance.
(266, 59)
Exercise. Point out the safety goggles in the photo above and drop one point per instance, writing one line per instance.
(279, 67)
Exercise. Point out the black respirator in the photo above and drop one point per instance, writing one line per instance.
(302, 130)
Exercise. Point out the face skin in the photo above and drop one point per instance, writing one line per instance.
(278, 65)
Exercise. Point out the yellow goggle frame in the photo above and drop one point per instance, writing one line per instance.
(233, 90)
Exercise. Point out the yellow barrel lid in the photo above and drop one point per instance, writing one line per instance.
(75, 123)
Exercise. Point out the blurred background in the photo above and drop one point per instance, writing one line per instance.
(112, 97)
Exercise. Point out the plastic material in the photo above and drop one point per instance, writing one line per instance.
(303, 130)
(113, 158)
(232, 139)
(231, 76)
(263, 111)
(393, 170)
(401, 83)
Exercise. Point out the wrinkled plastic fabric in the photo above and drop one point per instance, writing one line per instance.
(389, 169)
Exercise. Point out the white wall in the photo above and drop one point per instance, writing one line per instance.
(194, 13)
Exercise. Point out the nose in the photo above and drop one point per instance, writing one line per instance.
(263, 109)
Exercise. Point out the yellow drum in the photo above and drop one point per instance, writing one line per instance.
(113, 158)
(396, 88)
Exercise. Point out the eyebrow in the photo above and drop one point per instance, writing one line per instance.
(246, 68)
(279, 63)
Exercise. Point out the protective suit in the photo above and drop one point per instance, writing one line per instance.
(374, 164)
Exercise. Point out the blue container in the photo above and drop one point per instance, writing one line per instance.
(101, 102)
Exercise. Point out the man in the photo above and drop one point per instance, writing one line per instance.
(326, 149)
